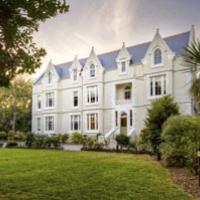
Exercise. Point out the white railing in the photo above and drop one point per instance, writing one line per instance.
(131, 132)
(111, 132)
(124, 102)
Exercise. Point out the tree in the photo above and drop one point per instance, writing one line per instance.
(192, 57)
(15, 106)
(18, 20)
(158, 113)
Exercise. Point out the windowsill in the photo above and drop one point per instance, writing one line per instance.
(158, 65)
(156, 97)
(49, 108)
(92, 104)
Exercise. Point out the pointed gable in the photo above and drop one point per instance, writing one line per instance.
(123, 54)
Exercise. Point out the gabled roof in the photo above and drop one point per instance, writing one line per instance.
(176, 43)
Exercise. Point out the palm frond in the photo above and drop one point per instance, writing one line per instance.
(192, 53)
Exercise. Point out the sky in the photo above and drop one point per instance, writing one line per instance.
(106, 24)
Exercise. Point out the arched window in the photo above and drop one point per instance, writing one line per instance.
(127, 93)
(157, 57)
(92, 70)
(49, 77)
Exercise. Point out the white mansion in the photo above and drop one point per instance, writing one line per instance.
(110, 93)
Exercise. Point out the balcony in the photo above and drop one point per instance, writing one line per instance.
(123, 94)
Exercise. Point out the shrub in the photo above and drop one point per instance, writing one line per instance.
(180, 137)
(3, 135)
(77, 138)
(11, 144)
(55, 140)
(30, 139)
(11, 135)
(64, 138)
(158, 113)
(41, 141)
(122, 140)
(19, 136)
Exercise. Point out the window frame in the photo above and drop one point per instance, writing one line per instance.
(75, 99)
(46, 100)
(161, 57)
(92, 71)
(49, 77)
(94, 126)
(152, 85)
(92, 94)
(39, 100)
(47, 125)
(72, 122)
(38, 124)
(127, 93)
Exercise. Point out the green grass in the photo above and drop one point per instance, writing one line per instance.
(56, 175)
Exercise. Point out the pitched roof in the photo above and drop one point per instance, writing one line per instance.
(176, 43)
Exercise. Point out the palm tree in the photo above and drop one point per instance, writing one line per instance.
(192, 57)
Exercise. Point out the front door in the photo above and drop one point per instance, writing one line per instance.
(123, 124)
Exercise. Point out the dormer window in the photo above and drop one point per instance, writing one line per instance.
(157, 57)
(49, 77)
(123, 67)
(75, 74)
(92, 70)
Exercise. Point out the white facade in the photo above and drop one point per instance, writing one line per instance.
(96, 98)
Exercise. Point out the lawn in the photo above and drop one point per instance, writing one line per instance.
(58, 175)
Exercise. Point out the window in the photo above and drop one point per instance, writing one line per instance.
(157, 57)
(131, 118)
(123, 67)
(92, 121)
(116, 118)
(39, 102)
(92, 94)
(49, 123)
(75, 123)
(92, 70)
(75, 98)
(75, 74)
(50, 100)
(38, 124)
(49, 77)
(127, 93)
(158, 86)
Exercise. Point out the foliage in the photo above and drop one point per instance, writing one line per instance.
(122, 140)
(192, 54)
(77, 138)
(138, 144)
(158, 113)
(30, 138)
(64, 138)
(3, 135)
(69, 175)
(192, 57)
(18, 136)
(56, 140)
(15, 106)
(181, 141)
(11, 144)
(19, 19)
(195, 92)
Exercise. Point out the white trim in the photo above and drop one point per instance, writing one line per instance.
(152, 58)
(89, 131)
(54, 124)
(149, 88)
(79, 122)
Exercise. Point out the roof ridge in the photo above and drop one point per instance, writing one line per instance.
(134, 45)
